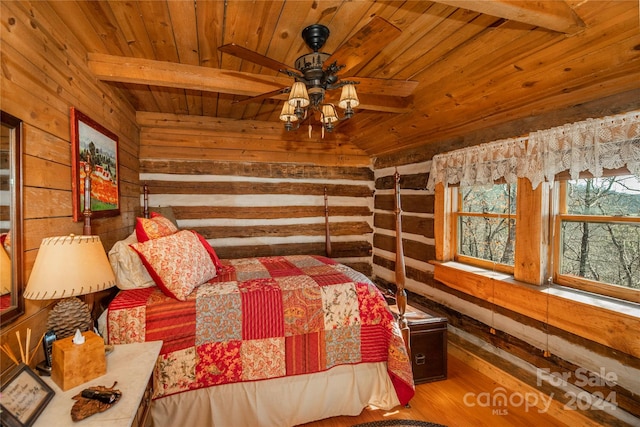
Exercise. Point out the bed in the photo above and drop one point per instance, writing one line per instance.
(270, 341)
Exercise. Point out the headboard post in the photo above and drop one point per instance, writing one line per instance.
(89, 299)
(327, 233)
(401, 294)
(145, 191)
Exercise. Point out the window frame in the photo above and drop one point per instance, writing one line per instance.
(467, 259)
(560, 215)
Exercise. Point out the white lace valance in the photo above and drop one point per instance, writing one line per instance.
(591, 145)
(480, 164)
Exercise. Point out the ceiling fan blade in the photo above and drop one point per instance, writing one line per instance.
(391, 87)
(255, 57)
(267, 95)
(364, 45)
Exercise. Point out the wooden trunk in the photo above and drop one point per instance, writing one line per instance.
(428, 346)
(428, 338)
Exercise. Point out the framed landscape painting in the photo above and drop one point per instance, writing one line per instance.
(94, 148)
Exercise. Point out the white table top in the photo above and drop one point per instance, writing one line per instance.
(131, 366)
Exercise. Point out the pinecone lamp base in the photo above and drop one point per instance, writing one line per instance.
(67, 316)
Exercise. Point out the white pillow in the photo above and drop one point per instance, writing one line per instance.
(127, 266)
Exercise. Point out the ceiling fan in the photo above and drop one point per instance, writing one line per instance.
(317, 72)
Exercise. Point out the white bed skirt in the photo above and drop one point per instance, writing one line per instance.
(280, 402)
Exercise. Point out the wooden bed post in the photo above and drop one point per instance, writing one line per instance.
(327, 233)
(145, 191)
(401, 294)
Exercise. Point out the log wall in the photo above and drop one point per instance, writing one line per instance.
(512, 320)
(44, 73)
(265, 201)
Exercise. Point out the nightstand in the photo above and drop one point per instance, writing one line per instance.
(131, 365)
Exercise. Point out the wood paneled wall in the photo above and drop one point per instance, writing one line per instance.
(520, 333)
(259, 197)
(44, 73)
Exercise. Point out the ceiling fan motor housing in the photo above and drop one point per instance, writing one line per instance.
(315, 36)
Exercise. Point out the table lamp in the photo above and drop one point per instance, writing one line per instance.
(65, 267)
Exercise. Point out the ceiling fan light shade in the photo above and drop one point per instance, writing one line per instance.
(349, 97)
(288, 113)
(329, 114)
(298, 97)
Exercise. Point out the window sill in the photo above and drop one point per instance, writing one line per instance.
(601, 301)
(597, 318)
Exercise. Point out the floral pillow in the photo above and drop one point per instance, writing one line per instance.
(178, 263)
(212, 253)
(154, 227)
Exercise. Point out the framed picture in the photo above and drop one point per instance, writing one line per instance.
(24, 397)
(97, 147)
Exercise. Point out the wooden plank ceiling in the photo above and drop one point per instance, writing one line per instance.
(473, 64)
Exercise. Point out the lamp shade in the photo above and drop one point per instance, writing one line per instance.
(68, 266)
(329, 114)
(288, 113)
(348, 97)
(299, 95)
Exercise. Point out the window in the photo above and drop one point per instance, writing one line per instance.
(485, 226)
(597, 235)
(591, 239)
(577, 209)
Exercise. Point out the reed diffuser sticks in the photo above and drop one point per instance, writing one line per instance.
(25, 357)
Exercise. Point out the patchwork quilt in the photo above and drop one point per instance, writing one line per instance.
(264, 318)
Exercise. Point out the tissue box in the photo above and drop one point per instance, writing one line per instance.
(75, 364)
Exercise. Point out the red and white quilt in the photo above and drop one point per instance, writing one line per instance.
(264, 318)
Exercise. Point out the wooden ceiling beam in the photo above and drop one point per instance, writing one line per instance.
(552, 15)
(183, 76)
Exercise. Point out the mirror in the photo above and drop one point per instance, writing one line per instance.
(11, 286)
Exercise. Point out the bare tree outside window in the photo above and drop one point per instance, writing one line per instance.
(600, 232)
(486, 223)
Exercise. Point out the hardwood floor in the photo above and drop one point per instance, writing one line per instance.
(443, 402)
